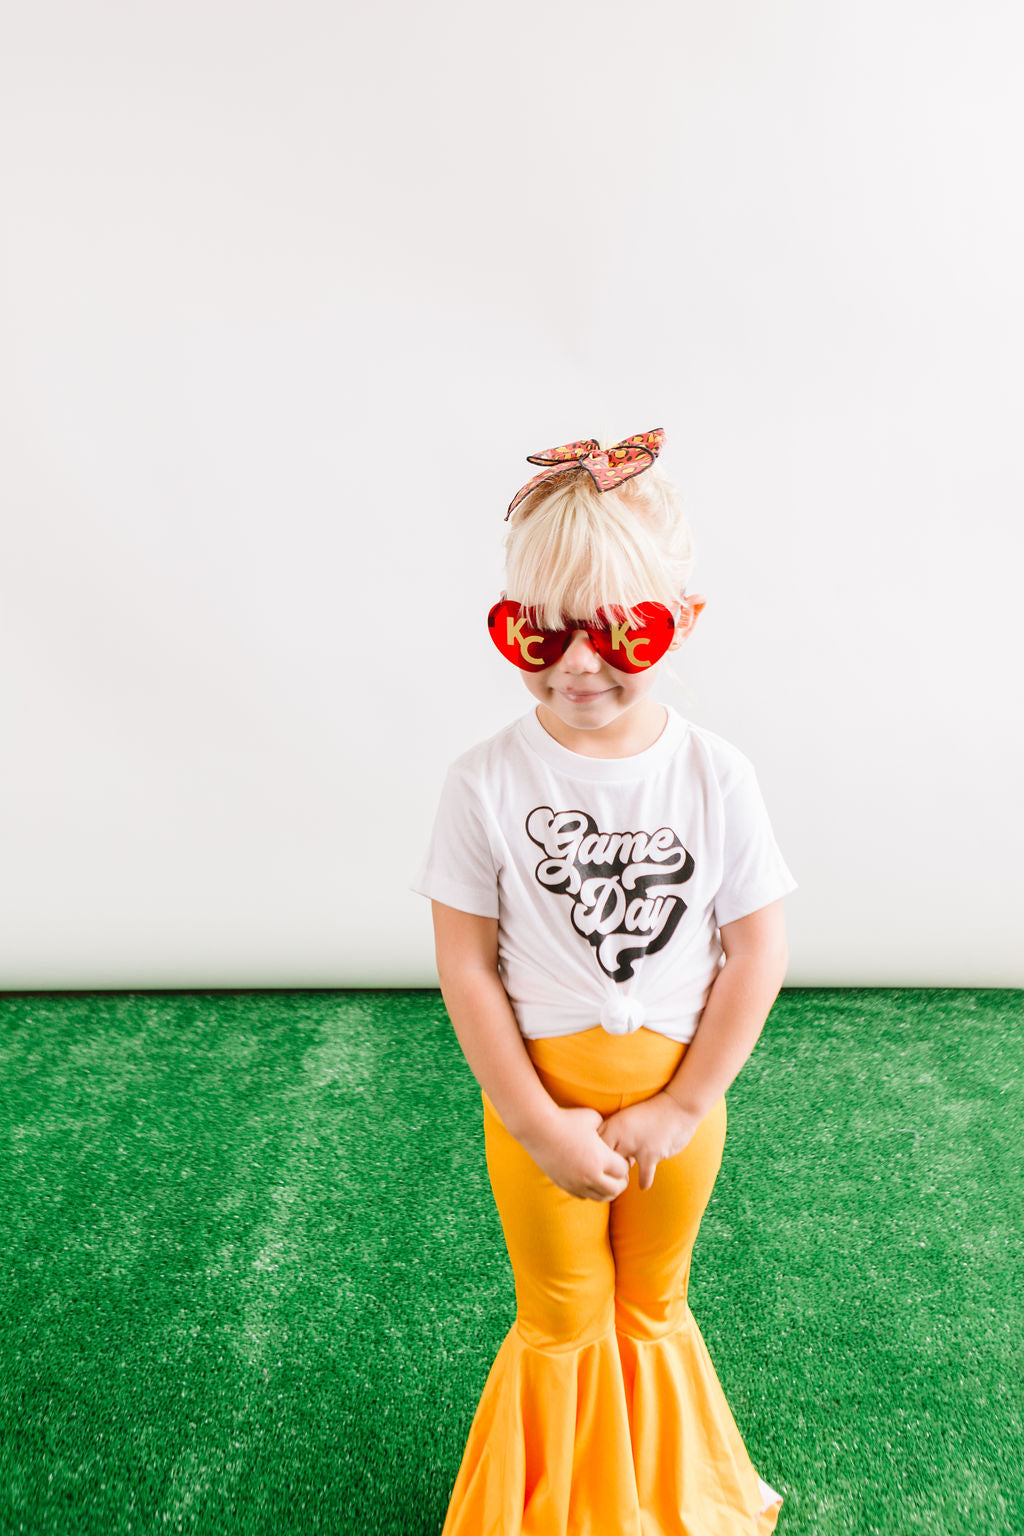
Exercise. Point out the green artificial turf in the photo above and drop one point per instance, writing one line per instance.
(253, 1276)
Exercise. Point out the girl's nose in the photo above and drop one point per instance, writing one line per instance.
(580, 655)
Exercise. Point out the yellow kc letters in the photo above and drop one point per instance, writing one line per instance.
(619, 633)
(516, 637)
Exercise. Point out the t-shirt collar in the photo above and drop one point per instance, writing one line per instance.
(575, 765)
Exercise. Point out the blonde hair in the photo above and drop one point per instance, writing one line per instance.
(572, 549)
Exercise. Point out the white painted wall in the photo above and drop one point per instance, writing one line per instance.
(288, 294)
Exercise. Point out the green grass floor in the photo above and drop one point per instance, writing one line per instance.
(253, 1277)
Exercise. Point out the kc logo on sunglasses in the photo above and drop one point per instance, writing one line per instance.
(628, 647)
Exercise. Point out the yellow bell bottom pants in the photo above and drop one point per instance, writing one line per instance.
(602, 1414)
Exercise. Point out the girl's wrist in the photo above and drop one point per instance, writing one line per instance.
(691, 1111)
(537, 1126)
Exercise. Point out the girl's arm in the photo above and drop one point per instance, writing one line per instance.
(740, 1000)
(563, 1142)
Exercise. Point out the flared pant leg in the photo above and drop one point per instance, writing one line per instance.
(602, 1414)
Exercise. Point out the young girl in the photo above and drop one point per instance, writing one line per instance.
(606, 892)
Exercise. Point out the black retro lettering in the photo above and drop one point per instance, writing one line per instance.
(623, 885)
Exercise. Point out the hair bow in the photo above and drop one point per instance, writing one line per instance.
(607, 467)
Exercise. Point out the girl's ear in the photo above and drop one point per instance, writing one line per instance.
(691, 609)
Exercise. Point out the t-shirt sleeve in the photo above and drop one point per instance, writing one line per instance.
(754, 872)
(459, 868)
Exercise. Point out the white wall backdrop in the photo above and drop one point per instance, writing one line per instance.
(288, 294)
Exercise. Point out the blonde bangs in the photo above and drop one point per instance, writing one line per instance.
(572, 549)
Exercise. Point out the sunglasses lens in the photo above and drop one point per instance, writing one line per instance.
(635, 647)
(524, 646)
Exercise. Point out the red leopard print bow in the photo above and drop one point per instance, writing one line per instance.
(607, 467)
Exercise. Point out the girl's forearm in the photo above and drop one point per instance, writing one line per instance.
(740, 1000)
(492, 1044)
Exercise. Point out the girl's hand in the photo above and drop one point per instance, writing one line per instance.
(574, 1157)
(648, 1132)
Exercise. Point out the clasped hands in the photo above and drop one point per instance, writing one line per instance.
(590, 1156)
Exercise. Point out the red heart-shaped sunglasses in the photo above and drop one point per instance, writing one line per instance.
(628, 647)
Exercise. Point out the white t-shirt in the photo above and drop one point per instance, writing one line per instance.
(609, 877)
